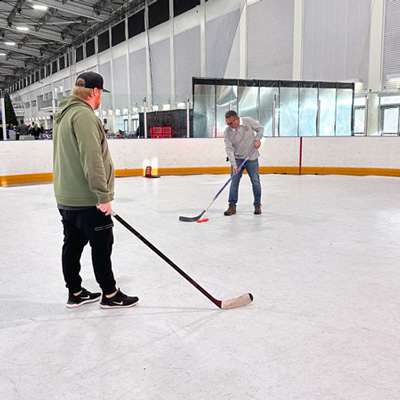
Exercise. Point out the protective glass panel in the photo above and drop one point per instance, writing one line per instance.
(327, 99)
(204, 111)
(344, 106)
(391, 120)
(288, 115)
(248, 102)
(226, 99)
(269, 98)
(308, 112)
(390, 100)
(359, 120)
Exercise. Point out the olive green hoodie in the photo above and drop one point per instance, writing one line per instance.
(83, 172)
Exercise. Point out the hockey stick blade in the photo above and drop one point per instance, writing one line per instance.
(237, 302)
(225, 304)
(191, 219)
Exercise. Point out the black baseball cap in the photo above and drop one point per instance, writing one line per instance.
(90, 80)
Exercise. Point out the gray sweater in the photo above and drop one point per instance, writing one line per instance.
(239, 142)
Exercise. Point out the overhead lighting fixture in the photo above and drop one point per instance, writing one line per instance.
(40, 7)
(2, 54)
(9, 43)
(22, 28)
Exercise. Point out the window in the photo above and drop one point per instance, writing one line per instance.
(136, 24)
(158, 13)
(48, 72)
(90, 48)
(54, 67)
(118, 33)
(181, 6)
(103, 41)
(42, 73)
(61, 62)
(79, 53)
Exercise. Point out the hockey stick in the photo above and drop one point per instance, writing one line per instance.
(224, 304)
(193, 219)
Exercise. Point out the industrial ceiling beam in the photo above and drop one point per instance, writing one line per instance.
(81, 10)
(22, 50)
(43, 33)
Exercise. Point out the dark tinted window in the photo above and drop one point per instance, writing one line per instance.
(79, 53)
(48, 72)
(61, 61)
(118, 33)
(54, 67)
(181, 6)
(158, 13)
(136, 24)
(90, 48)
(103, 41)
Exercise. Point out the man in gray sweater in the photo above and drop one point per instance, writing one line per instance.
(239, 142)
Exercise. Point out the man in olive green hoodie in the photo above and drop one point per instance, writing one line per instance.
(84, 188)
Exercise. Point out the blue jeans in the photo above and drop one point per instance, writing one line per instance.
(252, 169)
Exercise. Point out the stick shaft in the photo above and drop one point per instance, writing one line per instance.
(166, 259)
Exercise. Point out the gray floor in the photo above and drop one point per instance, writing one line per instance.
(322, 263)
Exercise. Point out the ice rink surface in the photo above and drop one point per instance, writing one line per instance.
(322, 262)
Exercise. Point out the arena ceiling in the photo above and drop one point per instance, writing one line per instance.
(34, 33)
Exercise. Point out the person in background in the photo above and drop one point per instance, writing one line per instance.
(22, 129)
(36, 131)
(84, 188)
(240, 140)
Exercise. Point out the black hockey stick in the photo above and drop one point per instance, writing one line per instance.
(224, 304)
(193, 219)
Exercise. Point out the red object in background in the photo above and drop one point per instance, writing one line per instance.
(148, 172)
(158, 132)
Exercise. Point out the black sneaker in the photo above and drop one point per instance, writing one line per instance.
(119, 300)
(83, 298)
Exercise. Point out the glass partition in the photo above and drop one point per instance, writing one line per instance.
(249, 101)
(308, 111)
(226, 99)
(284, 108)
(288, 112)
(269, 102)
(204, 110)
(327, 100)
(344, 110)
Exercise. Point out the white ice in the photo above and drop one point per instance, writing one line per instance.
(322, 262)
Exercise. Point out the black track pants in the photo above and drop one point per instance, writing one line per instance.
(80, 227)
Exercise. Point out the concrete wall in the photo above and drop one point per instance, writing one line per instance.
(31, 161)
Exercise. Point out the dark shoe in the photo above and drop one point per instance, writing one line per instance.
(231, 210)
(83, 298)
(119, 300)
(257, 209)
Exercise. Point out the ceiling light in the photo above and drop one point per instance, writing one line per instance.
(9, 43)
(3, 54)
(22, 28)
(40, 7)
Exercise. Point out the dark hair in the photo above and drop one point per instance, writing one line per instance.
(231, 114)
